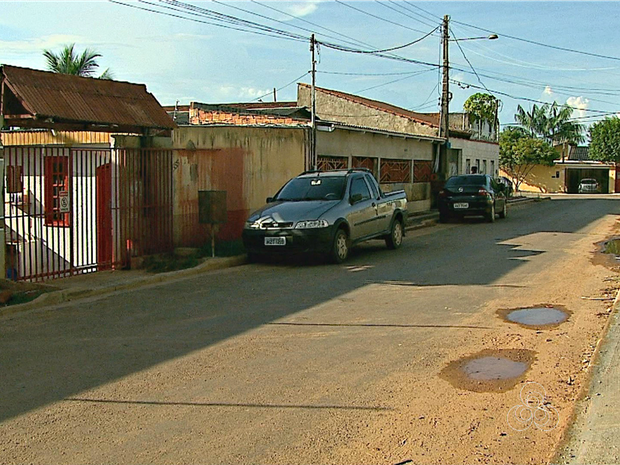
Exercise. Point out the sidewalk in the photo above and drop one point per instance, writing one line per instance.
(105, 282)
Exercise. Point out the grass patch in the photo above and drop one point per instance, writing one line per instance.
(169, 262)
(612, 247)
(223, 249)
(172, 262)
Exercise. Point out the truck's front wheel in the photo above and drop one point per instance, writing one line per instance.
(395, 239)
(340, 247)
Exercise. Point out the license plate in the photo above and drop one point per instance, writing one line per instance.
(275, 241)
(461, 205)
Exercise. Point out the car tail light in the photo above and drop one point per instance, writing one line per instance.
(483, 192)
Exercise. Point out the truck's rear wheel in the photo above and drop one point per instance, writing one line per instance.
(395, 239)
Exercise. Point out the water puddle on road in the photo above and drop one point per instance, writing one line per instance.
(489, 370)
(540, 317)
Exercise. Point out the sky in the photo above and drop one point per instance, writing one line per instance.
(546, 51)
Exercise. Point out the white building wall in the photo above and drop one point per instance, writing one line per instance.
(485, 155)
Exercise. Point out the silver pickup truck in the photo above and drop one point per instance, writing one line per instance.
(326, 212)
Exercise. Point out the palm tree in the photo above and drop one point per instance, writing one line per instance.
(551, 123)
(69, 62)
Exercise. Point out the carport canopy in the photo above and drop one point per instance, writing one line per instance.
(39, 99)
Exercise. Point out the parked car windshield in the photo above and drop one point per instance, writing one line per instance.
(474, 180)
(314, 188)
(588, 181)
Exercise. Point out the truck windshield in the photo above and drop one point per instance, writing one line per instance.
(315, 188)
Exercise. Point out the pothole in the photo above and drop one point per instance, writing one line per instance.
(489, 370)
(539, 317)
(609, 253)
(612, 246)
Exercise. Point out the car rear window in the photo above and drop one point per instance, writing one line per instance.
(456, 181)
(314, 188)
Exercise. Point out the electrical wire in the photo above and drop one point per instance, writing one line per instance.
(428, 99)
(554, 47)
(164, 13)
(469, 63)
(392, 82)
(402, 13)
(377, 17)
(526, 99)
(283, 87)
(375, 52)
(356, 41)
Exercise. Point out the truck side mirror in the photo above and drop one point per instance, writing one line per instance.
(269, 199)
(355, 198)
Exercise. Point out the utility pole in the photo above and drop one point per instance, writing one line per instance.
(313, 154)
(444, 118)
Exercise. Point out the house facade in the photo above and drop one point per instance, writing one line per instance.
(79, 197)
(567, 172)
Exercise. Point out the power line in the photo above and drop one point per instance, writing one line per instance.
(469, 63)
(342, 73)
(376, 17)
(402, 13)
(165, 13)
(554, 47)
(432, 16)
(393, 81)
(283, 87)
(375, 52)
(527, 99)
(428, 99)
(356, 41)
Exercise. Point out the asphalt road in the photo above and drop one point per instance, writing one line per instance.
(273, 362)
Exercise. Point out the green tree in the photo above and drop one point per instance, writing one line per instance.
(482, 107)
(551, 123)
(605, 140)
(519, 153)
(69, 62)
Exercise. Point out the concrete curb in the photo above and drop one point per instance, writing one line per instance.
(572, 437)
(67, 295)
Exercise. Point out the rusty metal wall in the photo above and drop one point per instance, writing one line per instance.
(78, 210)
(47, 137)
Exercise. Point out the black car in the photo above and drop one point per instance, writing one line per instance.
(509, 186)
(472, 195)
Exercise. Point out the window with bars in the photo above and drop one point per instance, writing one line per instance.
(395, 170)
(325, 163)
(14, 179)
(365, 162)
(422, 171)
(56, 182)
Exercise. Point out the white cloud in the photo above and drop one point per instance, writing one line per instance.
(239, 94)
(302, 9)
(580, 103)
(548, 95)
(38, 44)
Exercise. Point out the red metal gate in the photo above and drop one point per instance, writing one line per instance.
(79, 210)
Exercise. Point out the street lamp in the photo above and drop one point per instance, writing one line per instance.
(444, 118)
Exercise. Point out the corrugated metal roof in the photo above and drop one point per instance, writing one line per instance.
(73, 99)
(579, 153)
